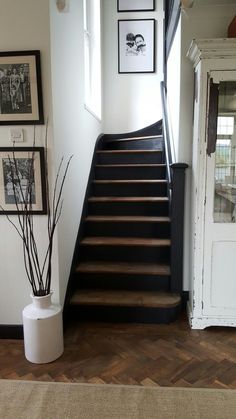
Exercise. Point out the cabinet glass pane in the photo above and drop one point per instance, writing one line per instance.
(225, 155)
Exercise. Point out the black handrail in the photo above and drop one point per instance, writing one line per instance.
(166, 134)
(176, 187)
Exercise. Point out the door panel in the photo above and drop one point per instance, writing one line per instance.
(223, 275)
(219, 270)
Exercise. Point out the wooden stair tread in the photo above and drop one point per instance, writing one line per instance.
(128, 199)
(124, 268)
(151, 299)
(123, 241)
(133, 165)
(127, 181)
(127, 219)
(132, 151)
(148, 137)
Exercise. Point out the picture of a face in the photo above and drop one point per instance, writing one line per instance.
(140, 43)
(136, 46)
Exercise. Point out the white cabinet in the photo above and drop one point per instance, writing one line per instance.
(213, 230)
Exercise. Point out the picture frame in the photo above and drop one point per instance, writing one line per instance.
(16, 166)
(21, 101)
(135, 5)
(136, 46)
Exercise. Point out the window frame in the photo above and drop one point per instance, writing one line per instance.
(92, 58)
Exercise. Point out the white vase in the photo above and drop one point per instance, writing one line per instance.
(43, 330)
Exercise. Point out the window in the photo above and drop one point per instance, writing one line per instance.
(92, 56)
(224, 150)
(225, 156)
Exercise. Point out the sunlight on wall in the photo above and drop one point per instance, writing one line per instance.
(131, 101)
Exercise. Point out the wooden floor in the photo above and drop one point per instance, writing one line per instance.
(163, 355)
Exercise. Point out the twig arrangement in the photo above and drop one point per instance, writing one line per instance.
(39, 274)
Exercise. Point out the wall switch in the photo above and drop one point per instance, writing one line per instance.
(16, 135)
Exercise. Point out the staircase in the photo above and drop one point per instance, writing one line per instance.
(122, 262)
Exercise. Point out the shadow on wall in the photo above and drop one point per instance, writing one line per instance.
(134, 104)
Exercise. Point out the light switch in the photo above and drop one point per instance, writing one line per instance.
(16, 135)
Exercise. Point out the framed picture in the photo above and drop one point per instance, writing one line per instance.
(20, 88)
(136, 46)
(22, 180)
(135, 5)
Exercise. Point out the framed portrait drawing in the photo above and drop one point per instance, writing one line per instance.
(135, 5)
(136, 46)
(20, 88)
(22, 180)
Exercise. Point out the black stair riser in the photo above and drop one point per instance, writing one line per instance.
(136, 189)
(125, 253)
(119, 229)
(124, 314)
(151, 144)
(128, 208)
(125, 282)
(133, 254)
(130, 158)
(130, 172)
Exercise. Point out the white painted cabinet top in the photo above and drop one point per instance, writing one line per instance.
(211, 49)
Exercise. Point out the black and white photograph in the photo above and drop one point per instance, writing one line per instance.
(20, 88)
(22, 180)
(136, 46)
(135, 5)
(16, 186)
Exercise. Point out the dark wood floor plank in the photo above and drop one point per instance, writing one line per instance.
(123, 298)
(128, 199)
(134, 165)
(126, 219)
(164, 355)
(129, 181)
(124, 241)
(123, 268)
(132, 151)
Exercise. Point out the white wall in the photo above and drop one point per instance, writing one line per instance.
(131, 101)
(173, 93)
(202, 21)
(75, 129)
(199, 22)
(24, 25)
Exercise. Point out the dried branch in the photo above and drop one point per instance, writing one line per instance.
(38, 274)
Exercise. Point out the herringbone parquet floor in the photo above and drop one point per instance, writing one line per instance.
(163, 355)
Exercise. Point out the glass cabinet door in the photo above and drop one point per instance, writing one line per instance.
(225, 155)
(219, 262)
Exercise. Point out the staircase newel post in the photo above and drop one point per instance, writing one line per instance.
(177, 225)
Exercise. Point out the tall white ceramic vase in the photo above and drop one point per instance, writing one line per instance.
(43, 330)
